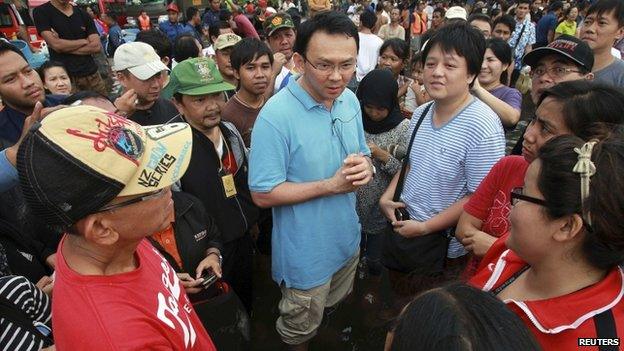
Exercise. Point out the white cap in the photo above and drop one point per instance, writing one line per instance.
(456, 12)
(139, 58)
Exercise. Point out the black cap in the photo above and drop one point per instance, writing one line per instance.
(566, 45)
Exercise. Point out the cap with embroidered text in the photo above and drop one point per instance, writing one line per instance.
(565, 45)
(80, 158)
(195, 76)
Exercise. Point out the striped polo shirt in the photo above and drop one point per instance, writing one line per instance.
(449, 162)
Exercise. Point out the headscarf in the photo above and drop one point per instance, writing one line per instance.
(379, 89)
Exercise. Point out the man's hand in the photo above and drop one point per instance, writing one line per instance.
(192, 286)
(39, 112)
(388, 207)
(127, 103)
(410, 228)
(478, 242)
(279, 60)
(45, 284)
(358, 169)
(210, 262)
(339, 184)
(378, 153)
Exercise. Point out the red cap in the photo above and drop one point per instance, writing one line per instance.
(173, 7)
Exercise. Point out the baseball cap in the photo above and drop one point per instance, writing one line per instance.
(139, 58)
(456, 12)
(173, 7)
(226, 40)
(277, 21)
(195, 76)
(80, 158)
(571, 47)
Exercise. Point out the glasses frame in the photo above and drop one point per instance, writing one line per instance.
(516, 194)
(136, 200)
(550, 71)
(333, 69)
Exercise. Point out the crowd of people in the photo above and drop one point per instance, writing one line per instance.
(338, 138)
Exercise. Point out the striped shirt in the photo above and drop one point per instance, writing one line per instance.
(34, 302)
(449, 162)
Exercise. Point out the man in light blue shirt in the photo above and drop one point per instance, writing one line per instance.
(308, 157)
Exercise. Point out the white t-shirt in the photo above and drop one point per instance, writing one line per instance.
(368, 54)
(280, 77)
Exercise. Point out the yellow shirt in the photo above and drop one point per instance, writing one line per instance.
(566, 27)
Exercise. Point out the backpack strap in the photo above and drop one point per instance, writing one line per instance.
(606, 329)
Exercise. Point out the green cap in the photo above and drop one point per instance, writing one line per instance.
(195, 76)
(277, 21)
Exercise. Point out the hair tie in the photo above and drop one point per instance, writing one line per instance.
(586, 168)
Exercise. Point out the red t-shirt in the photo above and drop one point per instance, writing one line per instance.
(490, 202)
(559, 322)
(146, 309)
(244, 27)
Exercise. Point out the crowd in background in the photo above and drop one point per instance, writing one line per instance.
(463, 158)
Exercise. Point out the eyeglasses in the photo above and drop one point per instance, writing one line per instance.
(152, 195)
(555, 72)
(326, 68)
(516, 195)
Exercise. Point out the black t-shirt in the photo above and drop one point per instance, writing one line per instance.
(77, 26)
(161, 112)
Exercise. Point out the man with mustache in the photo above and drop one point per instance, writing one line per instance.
(251, 61)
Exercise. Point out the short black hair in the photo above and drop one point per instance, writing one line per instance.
(112, 15)
(247, 50)
(506, 20)
(185, 47)
(156, 39)
(213, 31)
(462, 38)
(368, 19)
(477, 16)
(460, 317)
(399, 47)
(83, 95)
(441, 10)
(225, 15)
(557, 5)
(50, 64)
(6, 46)
(191, 11)
(602, 7)
(330, 22)
(524, 2)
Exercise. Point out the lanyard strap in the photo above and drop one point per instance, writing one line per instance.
(510, 280)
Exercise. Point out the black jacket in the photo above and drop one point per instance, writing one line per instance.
(235, 215)
(195, 232)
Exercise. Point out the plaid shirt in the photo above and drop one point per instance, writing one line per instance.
(528, 38)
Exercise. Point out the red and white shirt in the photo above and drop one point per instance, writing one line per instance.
(559, 322)
(145, 309)
(490, 202)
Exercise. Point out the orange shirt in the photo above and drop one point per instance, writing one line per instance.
(166, 239)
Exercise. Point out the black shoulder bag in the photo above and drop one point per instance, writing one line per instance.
(421, 254)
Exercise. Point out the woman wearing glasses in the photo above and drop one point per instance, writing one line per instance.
(558, 268)
(568, 108)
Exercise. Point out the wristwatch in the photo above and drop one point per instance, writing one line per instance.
(218, 255)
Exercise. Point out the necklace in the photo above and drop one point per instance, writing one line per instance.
(244, 103)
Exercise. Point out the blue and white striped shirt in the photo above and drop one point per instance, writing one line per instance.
(449, 162)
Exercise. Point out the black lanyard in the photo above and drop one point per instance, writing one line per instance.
(510, 280)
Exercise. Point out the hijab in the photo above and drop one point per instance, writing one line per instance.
(379, 89)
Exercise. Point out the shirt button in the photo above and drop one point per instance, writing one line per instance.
(167, 241)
